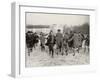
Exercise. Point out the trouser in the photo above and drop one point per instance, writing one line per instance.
(29, 50)
(65, 48)
(51, 50)
(42, 47)
(59, 47)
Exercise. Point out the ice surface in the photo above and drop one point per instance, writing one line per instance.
(40, 58)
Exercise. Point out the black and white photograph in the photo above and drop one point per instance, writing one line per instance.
(56, 39)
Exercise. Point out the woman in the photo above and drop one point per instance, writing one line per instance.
(77, 42)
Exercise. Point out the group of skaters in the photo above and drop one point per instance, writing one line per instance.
(59, 43)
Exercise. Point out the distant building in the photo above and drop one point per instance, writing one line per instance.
(38, 28)
(55, 27)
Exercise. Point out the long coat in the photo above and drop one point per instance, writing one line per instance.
(42, 39)
(77, 42)
(59, 39)
(65, 41)
(29, 39)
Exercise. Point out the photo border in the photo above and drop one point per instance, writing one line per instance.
(16, 63)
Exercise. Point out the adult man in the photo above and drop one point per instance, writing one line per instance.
(59, 41)
(50, 43)
(86, 43)
(65, 43)
(42, 41)
(36, 39)
(29, 41)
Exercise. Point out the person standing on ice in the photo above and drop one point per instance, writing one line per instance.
(76, 42)
(29, 41)
(59, 41)
(51, 43)
(65, 43)
(42, 41)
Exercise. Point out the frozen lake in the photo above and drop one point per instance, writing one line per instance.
(39, 59)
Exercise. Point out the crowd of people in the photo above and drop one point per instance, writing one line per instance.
(59, 43)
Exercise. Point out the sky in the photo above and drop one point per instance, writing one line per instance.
(60, 19)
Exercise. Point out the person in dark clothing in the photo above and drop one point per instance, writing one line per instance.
(71, 41)
(65, 43)
(50, 43)
(29, 41)
(36, 39)
(86, 43)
